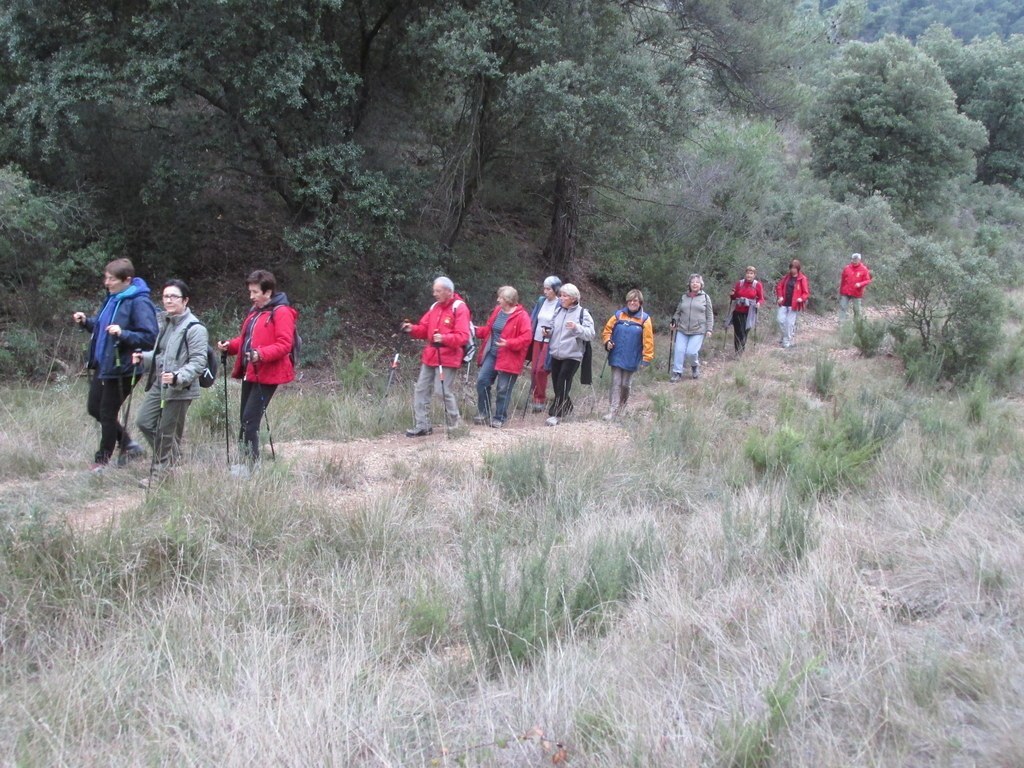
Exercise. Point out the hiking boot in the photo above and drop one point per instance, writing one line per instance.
(696, 371)
(98, 468)
(419, 432)
(552, 421)
(538, 407)
(675, 378)
(610, 416)
(480, 420)
(497, 423)
(130, 450)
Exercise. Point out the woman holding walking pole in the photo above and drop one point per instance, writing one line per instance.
(507, 336)
(172, 383)
(264, 349)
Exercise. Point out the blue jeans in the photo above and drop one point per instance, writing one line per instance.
(687, 347)
(485, 377)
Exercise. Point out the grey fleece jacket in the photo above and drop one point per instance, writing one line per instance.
(172, 355)
(694, 315)
(569, 344)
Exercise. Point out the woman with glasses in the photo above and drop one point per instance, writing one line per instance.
(172, 369)
(125, 322)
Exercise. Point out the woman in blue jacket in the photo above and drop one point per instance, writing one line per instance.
(126, 322)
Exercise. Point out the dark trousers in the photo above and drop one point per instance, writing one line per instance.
(562, 373)
(739, 328)
(105, 399)
(255, 399)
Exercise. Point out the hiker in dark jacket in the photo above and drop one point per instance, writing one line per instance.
(571, 328)
(125, 322)
(264, 350)
(171, 371)
(628, 338)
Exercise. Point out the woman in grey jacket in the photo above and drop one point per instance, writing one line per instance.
(172, 383)
(693, 321)
(571, 329)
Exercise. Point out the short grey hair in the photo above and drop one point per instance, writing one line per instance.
(856, 257)
(571, 290)
(444, 282)
(553, 282)
(509, 294)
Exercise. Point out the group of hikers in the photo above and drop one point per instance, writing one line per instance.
(172, 352)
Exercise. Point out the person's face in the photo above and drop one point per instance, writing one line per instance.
(549, 292)
(695, 285)
(503, 302)
(566, 300)
(855, 262)
(441, 293)
(751, 275)
(174, 302)
(794, 269)
(258, 297)
(114, 284)
(633, 304)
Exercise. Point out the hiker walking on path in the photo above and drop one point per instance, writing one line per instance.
(264, 361)
(571, 328)
(792, 293)
(692, 322)
(852, 282)
(171, 369)
(445, 328)
(507, 337)
(540, 320)
(628, 338)
(125, 322)
(747, 295)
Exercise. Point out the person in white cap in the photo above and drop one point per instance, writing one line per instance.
(855, 278)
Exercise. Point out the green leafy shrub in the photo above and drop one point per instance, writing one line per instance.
(520, 472)
(824, 379)
(868, 335)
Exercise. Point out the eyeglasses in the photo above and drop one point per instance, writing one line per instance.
(172, 296)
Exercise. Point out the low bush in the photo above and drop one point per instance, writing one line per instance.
(868, 335)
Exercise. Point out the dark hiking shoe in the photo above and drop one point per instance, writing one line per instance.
(132, 450)
(419, 432)
(480, 420)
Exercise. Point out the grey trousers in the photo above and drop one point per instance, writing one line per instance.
(427, 385)
(619, 393)
(162, 431)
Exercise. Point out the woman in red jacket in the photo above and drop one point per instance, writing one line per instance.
(508, 334)
(264, 349)
(792, 291)
(746, 297)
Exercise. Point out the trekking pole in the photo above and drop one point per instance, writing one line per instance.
(671, 347)
(128, 408)
(387, 388)
(263, 406)
(444, 391)
(227, 426)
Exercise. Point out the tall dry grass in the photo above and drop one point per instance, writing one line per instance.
(696, 591)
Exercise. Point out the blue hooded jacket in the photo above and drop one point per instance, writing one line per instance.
(133, 310)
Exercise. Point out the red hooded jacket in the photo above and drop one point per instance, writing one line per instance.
(518, 333)
(273, 334)
(852, 275)
(451, 318)
(801, 291)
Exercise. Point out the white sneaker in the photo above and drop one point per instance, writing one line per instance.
(610, 416)
(241, 471)
(552, 421)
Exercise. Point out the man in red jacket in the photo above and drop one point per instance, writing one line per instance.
(445, 326)
(852, 282)
(264, 349)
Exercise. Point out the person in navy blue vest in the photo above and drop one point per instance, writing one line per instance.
(126, 322)
(628, 338)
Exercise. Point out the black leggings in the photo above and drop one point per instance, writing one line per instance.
(105, 399)
(739, 327)
(255, 399)
(562, 372)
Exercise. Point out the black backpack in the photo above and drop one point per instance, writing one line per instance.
(208, 376)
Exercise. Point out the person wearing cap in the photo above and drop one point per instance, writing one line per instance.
(792, 292)
(852, 282)
(571, 328)
(692, 322)
(445, 328)
(628, 338)
(540, 320)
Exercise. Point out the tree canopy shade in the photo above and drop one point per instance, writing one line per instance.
(887, 123)
(988, 78)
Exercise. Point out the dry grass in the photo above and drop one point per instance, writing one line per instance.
(321, 612)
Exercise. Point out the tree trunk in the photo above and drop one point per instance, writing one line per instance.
(560, 250)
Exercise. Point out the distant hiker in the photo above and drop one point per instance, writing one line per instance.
(854, 279)
(692, 322)
(125, 322)
(172, 369)
(793, 292)
(543, 314)
(265, 348)
(628, 338)
(572, 328)
(445, 326)
(508, 336)
(747, 295)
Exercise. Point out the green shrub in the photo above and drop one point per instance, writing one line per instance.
(520, 472)
(868, 335)
(790, 531)
(824, 379)
(775, 453)
(978, 400)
